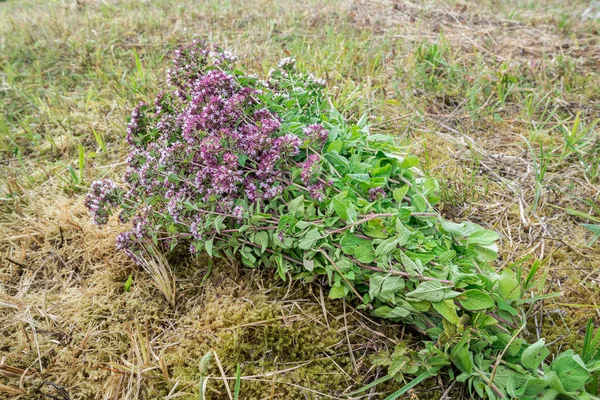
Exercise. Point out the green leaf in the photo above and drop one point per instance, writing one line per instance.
(399, 193)
(386, 247)
(571, 371)
(390, 287)
(508, 285)
(463, 229)
(309, 264)
(365, 254)
(173, 178)
(296, 206)
(382, 172)
(446, 256)
(338, 292)
(362, 122)
(402, 233)
(261, 238)
(409, 265)
(447, 309)
(242, 158)
(485, 253)
(474, 299)
(483, 237)
(410, 161)
(391, 313)
(350, 243)
(128, 283)
(375, 284)
(433, 291)
(344, 210)
(310, 239)
(375, 229)
(419, 202)
(208, 245)
(463, 359)
(534, 355)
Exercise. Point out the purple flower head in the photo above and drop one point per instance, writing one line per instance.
(102, 195)
(376, 193)
(316, 133)
(136, 124)
(196, 228)
(238, 213)
(269, 125)
(316, 191)
(287, 64)
(309, 168)
(288, 144)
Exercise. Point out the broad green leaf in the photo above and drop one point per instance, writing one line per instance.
(508, 285)
(483, 237)
(485, 253)
(309, 241)
(309, 264)
(409, 265)
(447, 309)
(350, 243)
(463, 229)
(474, 299)
(375, 229)
(446, 256)
(338, 292)
(386, 247)
(571, 371)
(410, 161)
(261, 238)
(388, 312)
(433, 291)
(463, 359)
(365, 254)
(296, 206)
(419, 202)
(375, 283)
(382, 172)
(530, 387)
(534, 355)
(399, 193)
(208, 245)
(344, 210)
(402, 232)
(242, 158)
(390, 286)
(365, 178)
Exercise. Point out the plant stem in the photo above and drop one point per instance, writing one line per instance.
(342, 275)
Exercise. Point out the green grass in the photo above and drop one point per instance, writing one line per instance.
(500, 101)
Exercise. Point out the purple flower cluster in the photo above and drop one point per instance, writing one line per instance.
(310, 167)
(102, 194)
(316, 134)
(207, 143)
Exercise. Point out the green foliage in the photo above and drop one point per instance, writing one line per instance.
(374, 235)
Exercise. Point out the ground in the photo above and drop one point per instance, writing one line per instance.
(498, 98)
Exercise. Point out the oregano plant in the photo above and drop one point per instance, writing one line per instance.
(268, 172)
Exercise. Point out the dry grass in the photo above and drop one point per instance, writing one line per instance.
(483, 93)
